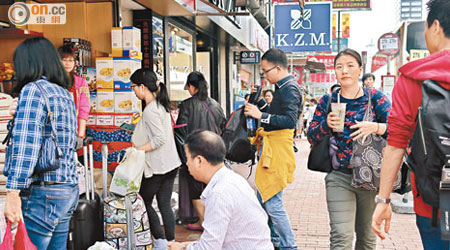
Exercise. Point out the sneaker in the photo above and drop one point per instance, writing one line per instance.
(194, 227)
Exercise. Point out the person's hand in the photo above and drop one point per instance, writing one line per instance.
(13, 106)
(79, 143)
(364, 129)
(178, 245)
(382, 213)
(252, 88)
(252, 111)
(333, 120)
(13, 206)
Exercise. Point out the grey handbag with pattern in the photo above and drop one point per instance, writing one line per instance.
(367, 157)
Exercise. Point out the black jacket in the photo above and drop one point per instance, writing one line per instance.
(285, 108)
(194, 113)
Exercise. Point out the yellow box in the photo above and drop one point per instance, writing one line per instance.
(105, 101)
(105, 73)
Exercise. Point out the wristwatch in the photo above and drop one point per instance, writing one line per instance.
(382, 200)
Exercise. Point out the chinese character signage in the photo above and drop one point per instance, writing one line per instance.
(250, 57)
(292, 33)
(337, 4)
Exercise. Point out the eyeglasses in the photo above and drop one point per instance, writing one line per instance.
(134, 86)
(68, 60)
(267, 71)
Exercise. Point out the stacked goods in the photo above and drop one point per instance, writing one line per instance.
(113, 102)
(5, 102)
(82, 50)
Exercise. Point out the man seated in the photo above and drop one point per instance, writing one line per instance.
(234, 219)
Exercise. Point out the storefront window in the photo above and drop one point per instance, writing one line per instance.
(180, 61)
(158, 46)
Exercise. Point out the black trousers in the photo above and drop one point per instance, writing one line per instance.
(162, 187)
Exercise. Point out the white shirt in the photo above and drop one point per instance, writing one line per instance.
(234, 219)
(155, 126)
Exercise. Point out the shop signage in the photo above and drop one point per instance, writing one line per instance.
(293, 34)
(228, 6)
(343, 44)
(250, 57)
(387, 85)
(183, 45)
(378, 61)
(22, 14)
(328, 60)
(389, 44)
(415, 54)
(337, 4)
(411, 10)
(297, 72)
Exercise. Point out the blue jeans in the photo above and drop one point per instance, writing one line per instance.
(47, 210)
(279, 224)
(431, 236)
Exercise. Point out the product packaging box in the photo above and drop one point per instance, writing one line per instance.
(105, 73)
(123, 100)
(131, 37)
(105, 101)
(105, 120)
(119, 119)
(93, 101)
(116, 41)
(89, 74)
(123, 69)
(132, 54)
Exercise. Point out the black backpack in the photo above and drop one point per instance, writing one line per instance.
(431, 143)
(235, 135)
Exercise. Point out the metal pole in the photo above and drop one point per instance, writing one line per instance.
(339, 31)
(292, 62)
(388, 65)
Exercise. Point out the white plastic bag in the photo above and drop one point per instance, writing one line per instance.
(101, 246)
(128, 175)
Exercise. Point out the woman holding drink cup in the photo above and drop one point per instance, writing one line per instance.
(350, 209)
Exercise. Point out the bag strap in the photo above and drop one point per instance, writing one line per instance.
(50, 118)
(209, 111)
(368, 112)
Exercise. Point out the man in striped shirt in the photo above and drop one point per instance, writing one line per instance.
(234, 219)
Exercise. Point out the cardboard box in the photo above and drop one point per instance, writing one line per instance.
(105, 73)
(119, 119)
(92, 120)
(89, 74)
(131, 38)
(132, 54)
(93, 101)
(116, 41)
(105, 120)
(105, 101)
(123, 100)
(123, 69)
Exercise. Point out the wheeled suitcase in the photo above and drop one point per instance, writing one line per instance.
(86, 224)
(126, 223)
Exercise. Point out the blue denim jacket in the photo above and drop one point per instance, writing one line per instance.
(30, 117)
(285, 108)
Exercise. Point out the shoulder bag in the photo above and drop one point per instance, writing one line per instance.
(367, 157)
(319, 157)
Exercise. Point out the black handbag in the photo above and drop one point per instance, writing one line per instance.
(319, 157)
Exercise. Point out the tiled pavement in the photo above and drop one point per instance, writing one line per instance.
(306, 204)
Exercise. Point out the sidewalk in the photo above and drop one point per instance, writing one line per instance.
(306, 204)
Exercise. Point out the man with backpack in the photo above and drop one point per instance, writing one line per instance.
(277, 161)
(425, 81)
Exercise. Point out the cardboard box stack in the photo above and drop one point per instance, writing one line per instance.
(113, 102)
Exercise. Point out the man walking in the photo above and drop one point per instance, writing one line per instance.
(406, 99)
(277, 162)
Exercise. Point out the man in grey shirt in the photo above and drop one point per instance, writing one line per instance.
(234, 219)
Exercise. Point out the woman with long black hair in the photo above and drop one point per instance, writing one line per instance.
(154, 135)
(45, 200)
